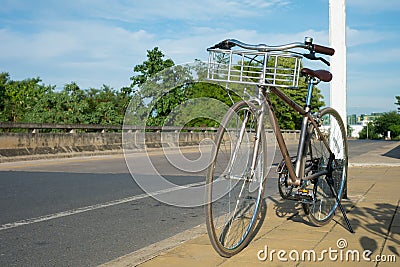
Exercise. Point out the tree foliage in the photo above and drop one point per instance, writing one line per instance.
(369, 132)
(155, 63)
(30, 101)
(167, 97)
(389, 121)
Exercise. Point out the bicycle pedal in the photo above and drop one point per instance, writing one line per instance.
(304, 194)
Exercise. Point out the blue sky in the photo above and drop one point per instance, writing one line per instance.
(96, 42)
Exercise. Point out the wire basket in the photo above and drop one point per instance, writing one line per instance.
(278, 69)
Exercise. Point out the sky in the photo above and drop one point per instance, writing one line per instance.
(96, 42)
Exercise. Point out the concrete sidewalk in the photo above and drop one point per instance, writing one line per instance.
(372, 207)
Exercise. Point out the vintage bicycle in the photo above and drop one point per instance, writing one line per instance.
(236, 178)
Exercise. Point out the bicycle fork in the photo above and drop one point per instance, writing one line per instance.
(249, 173)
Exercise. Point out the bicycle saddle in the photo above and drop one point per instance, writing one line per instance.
(323, 75)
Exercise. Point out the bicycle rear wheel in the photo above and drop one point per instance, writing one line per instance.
(234, 190)
(321, 210)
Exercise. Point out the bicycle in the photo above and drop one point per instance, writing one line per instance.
(236, 177)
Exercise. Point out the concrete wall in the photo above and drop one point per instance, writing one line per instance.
(23, 144)
(19, 144)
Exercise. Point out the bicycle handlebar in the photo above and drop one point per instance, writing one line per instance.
(313, 48)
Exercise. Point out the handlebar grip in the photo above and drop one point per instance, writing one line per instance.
(323, 50)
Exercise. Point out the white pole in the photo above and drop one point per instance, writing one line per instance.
(337, 37)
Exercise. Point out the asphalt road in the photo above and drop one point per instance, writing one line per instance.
(87, 211)
(42, 222)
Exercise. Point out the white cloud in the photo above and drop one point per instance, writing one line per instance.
(188, 10)
(355, 37)
(88, 40)
(374, 56)
(265, 4)
(39, 46)
(90, 53)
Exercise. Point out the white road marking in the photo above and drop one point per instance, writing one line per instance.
(92, 207)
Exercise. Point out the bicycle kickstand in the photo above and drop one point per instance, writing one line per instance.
(330, 182)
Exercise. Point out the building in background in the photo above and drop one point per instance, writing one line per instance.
(351, 119)
(357, 123)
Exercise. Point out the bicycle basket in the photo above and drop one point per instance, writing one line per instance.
(278, 69)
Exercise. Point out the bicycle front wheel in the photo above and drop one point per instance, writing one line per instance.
(333, 135)
(235, 187)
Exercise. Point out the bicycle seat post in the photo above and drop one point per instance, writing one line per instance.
(311, 81)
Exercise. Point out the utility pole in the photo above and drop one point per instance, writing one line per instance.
(337, 38)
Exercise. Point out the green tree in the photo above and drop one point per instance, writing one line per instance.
(349, 130)
(395, 131)
(30, 101)
(168, 94)
(67, 106)
(46, 109)
(4, 79)
(368, 132)
(205, 105)
(155, 63)
(389, 121)
(106, 106)
(398, 103)
(19, 97)
(146, 89)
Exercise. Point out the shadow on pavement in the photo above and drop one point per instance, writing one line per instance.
(376, 220)
(293, 210)
(394, 153)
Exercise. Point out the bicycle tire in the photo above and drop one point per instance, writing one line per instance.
(233, 201)
(322, 209)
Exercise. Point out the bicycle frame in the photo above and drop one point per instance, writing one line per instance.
(294, 171)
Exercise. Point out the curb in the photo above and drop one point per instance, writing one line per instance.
(150, 252)
(374, 164)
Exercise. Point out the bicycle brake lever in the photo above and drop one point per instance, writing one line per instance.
(311, 56)
(325, 61)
